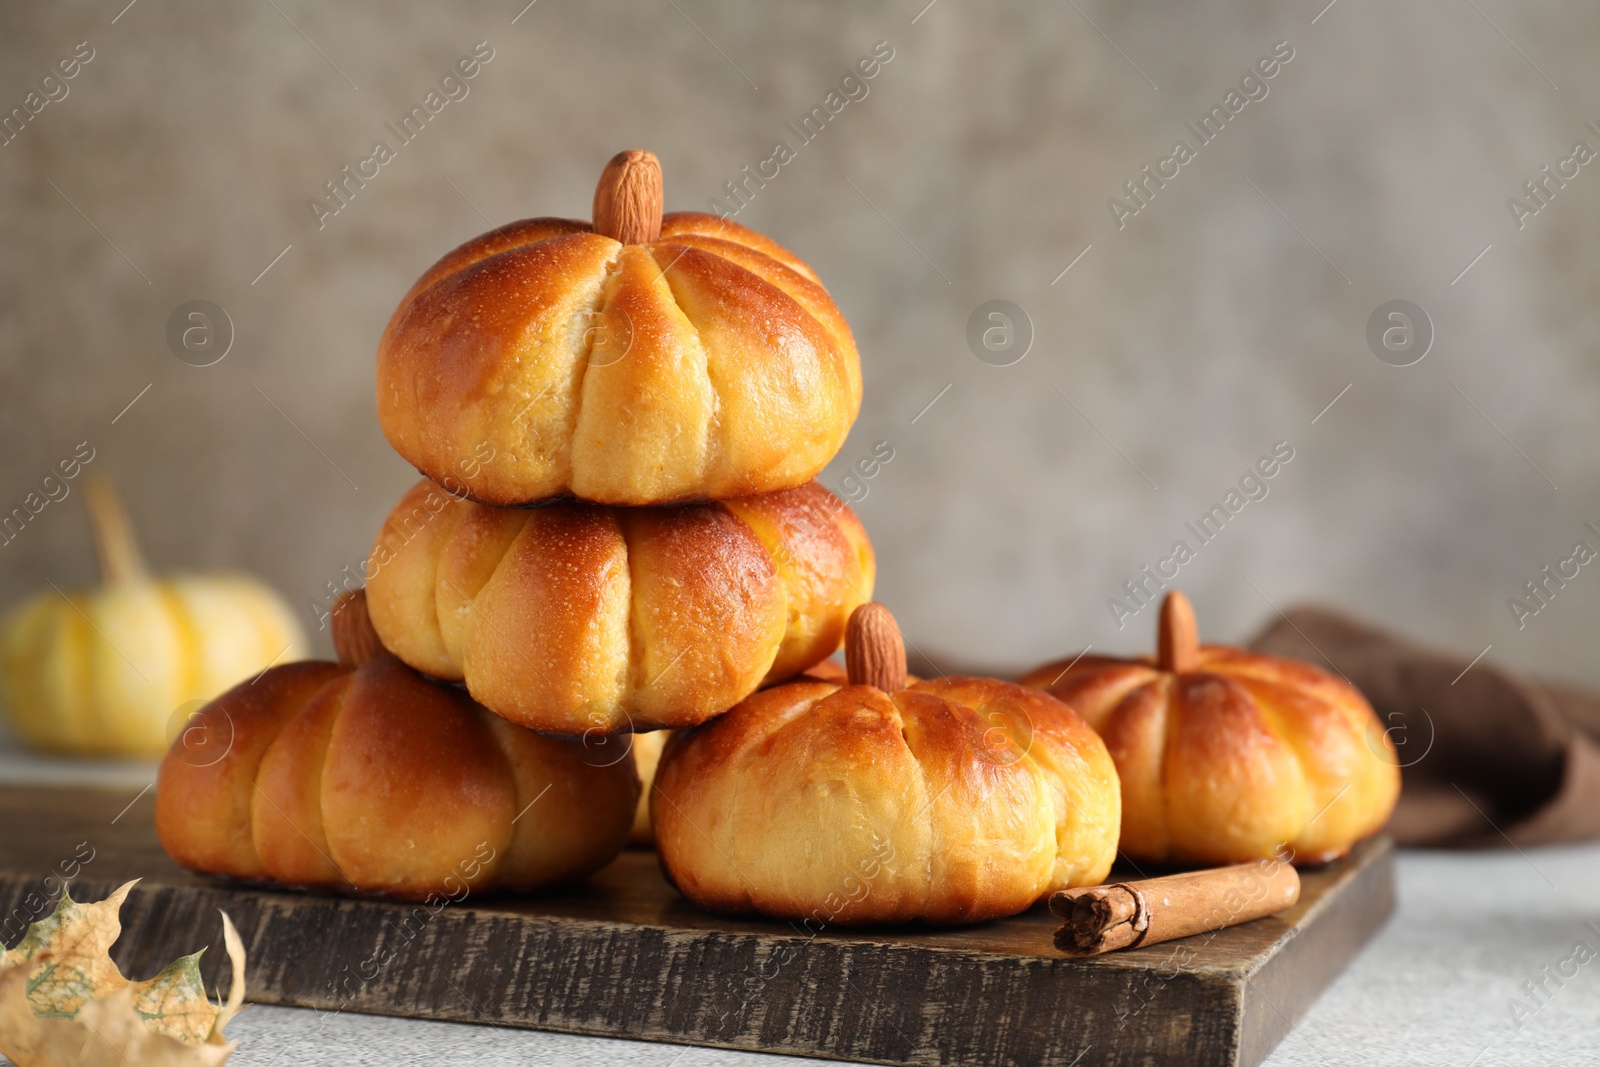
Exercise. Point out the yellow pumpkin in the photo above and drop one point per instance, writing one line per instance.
(115, 671)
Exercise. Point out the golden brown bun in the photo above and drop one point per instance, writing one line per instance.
(380, 781)
(951, 801)
(573, 618)
(1236, 757)
(543, 359)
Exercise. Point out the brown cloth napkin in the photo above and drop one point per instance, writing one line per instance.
(1488, 758)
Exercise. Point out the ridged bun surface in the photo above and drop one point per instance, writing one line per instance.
(542, 359)
(378, 780)
(573, 617)
(1235, 756)
(950, 801)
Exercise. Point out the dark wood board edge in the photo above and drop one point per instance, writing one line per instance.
(829, 998)
(1281, 989)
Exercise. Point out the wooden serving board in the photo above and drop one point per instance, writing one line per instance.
(625, 956)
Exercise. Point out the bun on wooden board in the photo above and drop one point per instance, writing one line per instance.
(1228, 756)
(949, 801)
(574, 618)
(642, 359)
(374, 779)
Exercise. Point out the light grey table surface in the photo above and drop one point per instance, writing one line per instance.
(1473, 933)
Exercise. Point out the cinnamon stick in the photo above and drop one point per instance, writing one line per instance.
(1105, 918)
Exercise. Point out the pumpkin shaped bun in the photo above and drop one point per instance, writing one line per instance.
(574, 618)
(948, 801)
(640, 359)
(1228, 756)
(363, 776)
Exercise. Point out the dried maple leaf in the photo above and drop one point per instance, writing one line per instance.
(62, 1000)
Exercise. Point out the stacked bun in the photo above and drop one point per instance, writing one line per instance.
(618, 424)
(641, 360)
(574, 617)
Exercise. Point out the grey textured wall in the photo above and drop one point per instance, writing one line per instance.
(1219, 320)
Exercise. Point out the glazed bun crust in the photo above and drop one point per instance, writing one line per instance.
(381, 781)
(205, 791)
(542, 360)
(952, 801)
(573, 617)
(1235, 759)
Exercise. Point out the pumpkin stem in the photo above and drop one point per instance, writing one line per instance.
(354, 638)
(627, 202)
(120, 562)
(874, 653)
(1178, 638)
